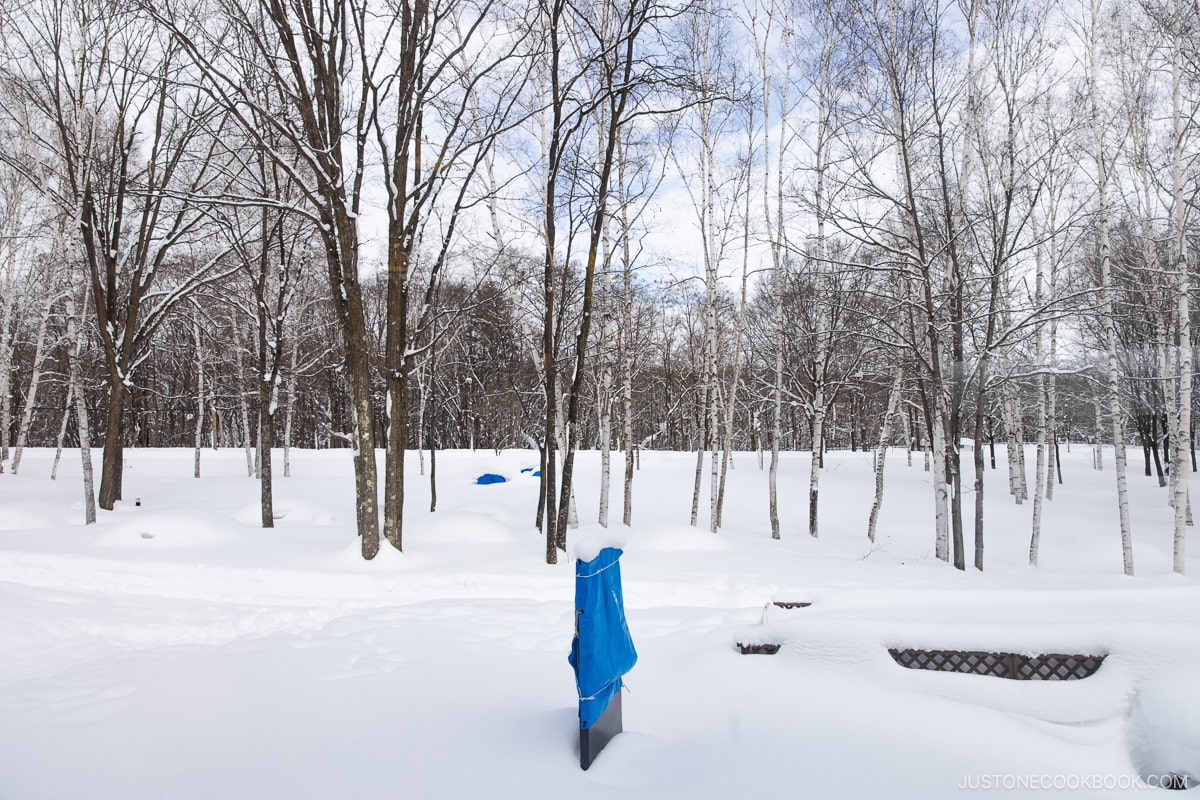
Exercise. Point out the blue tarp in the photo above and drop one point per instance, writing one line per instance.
(602, 650)
(491, 477)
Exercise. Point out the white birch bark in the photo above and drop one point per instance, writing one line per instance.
(1164, 353)
(777, 392)
(75, 337)
(823, 334)
(908, 439)
(290, 414)
(1106, 291)
(560, 425)
(627, 352)
(421, 403)
(604, 392)
(885, 434)
(36, 378)
(244, 406)
(1040, 466)
(7, 342)
(941, 507)
(776, 233)
(711, 259)
(1052, 356)
(1182, 288)
(1017, 486)
(62, 433)
(736, 377)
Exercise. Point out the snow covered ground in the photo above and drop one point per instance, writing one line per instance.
(177, 651)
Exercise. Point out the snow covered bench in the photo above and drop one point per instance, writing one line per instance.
(1014, 666)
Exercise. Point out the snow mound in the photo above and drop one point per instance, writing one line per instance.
(1164, 730)
(463, 528)
(670, 539)
(26, 518)
(290, 512)
(164, 529)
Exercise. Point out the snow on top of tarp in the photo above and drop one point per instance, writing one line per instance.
(587, 548)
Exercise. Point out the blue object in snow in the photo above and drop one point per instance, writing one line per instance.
(527, 469)
(602, 650)
(490, 477)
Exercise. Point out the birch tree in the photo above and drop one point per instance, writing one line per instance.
(622, 75)
(900, 56)
(122, 153)
(1101, 156)
(53, 292)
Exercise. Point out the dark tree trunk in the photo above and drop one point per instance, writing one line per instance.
(991, 435)
(1057, 460)
(113, 462)
(266, 438)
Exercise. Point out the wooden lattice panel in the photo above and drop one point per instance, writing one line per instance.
(1014, 666)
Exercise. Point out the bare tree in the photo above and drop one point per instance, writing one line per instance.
(309, 59)
(53, 294)
(1101, 156)
(122, 153)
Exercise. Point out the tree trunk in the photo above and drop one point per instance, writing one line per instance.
(266, 441)
(287, 422)
(199, 439)
(8, 335)
(62, 433)
(1016, 462)
(1181, 427)
(431, 434)
(366, 481)
(938, 460)
(627, 341)
(75, 339)
(701, 447)
(1040, 466)
(243, 405)
(604, 390)
(885, 433)
(111, 472)
(36, 378)
(1106, 291)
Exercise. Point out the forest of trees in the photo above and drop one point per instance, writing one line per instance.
(700, 225)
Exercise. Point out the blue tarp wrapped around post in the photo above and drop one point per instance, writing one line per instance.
(602, 650)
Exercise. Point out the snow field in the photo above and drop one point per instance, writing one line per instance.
(177, 650)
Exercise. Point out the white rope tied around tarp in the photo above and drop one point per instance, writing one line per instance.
(597, 572)
(601, 689)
